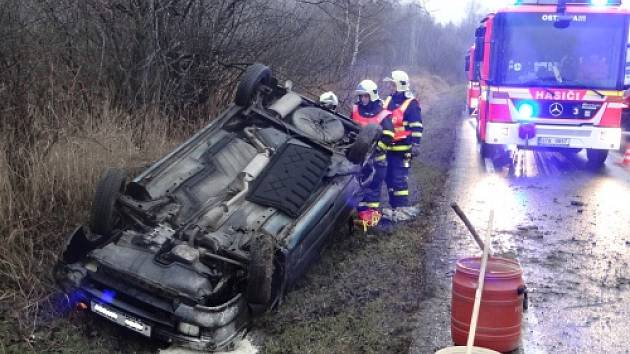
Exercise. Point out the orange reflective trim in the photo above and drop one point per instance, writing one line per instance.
(364, 121)
(406, 104)
(398, 119)
(387, 101)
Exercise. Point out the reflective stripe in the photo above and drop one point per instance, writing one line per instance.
(401, 193)
(406, 104)
(369, 205)
(415, 125)
(380, 158)
(365, 121)
(383, 146)
(398, 119)
(388, 133)
(416, 134)
(400, 148)
(387, 101)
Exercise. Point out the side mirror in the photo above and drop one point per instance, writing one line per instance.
(467, 63)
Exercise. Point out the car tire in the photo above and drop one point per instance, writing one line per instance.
(571, 151)
(250, 81)
(318, 124)
(260, 271)
(103, 216)
(488, 151)
(364, 142)
(596, 157)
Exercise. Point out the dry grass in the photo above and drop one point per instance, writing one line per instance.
(62, 175)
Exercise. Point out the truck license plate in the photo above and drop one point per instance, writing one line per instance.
(120, 318)
(542, 141)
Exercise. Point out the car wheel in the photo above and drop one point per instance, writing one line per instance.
(363, 144)
(488, 150)
(103, 216)
(318, 124)
(260, 271)
(250, 81)
(596, 157)
(571, 151)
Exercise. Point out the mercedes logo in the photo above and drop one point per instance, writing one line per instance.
(556, 109)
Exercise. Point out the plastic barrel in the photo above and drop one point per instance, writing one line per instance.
(501, 312)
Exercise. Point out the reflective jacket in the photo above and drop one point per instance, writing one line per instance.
(407, 120)
(374, 113)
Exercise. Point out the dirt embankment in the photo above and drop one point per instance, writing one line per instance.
(362, 295)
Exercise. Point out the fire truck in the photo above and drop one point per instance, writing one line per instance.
(472, 94)
(552, 76)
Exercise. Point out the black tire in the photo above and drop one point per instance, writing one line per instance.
(488, 150)
(364, 143)
(318, 124)
(260, 271)
(596, 157)
(571, 151)
(250, 81)
(103, 217)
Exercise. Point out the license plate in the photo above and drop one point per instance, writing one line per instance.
(554, 141)
(120, 318)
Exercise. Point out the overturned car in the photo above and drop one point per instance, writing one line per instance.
(218, 229)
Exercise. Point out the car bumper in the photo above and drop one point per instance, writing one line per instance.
(555, 136)
(217, 328)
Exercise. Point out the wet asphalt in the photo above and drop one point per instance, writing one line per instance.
(568, 226)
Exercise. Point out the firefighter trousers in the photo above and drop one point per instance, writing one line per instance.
(372, 193)
(397, 178)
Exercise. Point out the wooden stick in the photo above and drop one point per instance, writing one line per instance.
(469, 226)
(482, 277)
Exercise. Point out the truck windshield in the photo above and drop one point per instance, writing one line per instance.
(588, 53)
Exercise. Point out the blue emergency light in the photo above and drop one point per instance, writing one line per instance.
(526, 110)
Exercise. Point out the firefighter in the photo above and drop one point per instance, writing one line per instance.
(369, 110)
(408, 129)
(329, 100)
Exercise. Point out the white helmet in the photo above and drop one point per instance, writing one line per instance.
(368, 87)
(329, 100)
(400, 79)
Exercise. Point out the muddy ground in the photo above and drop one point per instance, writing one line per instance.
(568, 226)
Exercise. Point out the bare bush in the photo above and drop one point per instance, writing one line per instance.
(86, 84)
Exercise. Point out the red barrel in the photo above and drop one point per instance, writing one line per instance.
(501, 312)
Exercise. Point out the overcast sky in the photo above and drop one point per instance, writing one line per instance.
(454, 10)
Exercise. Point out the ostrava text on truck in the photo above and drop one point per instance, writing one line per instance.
(552, 75)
